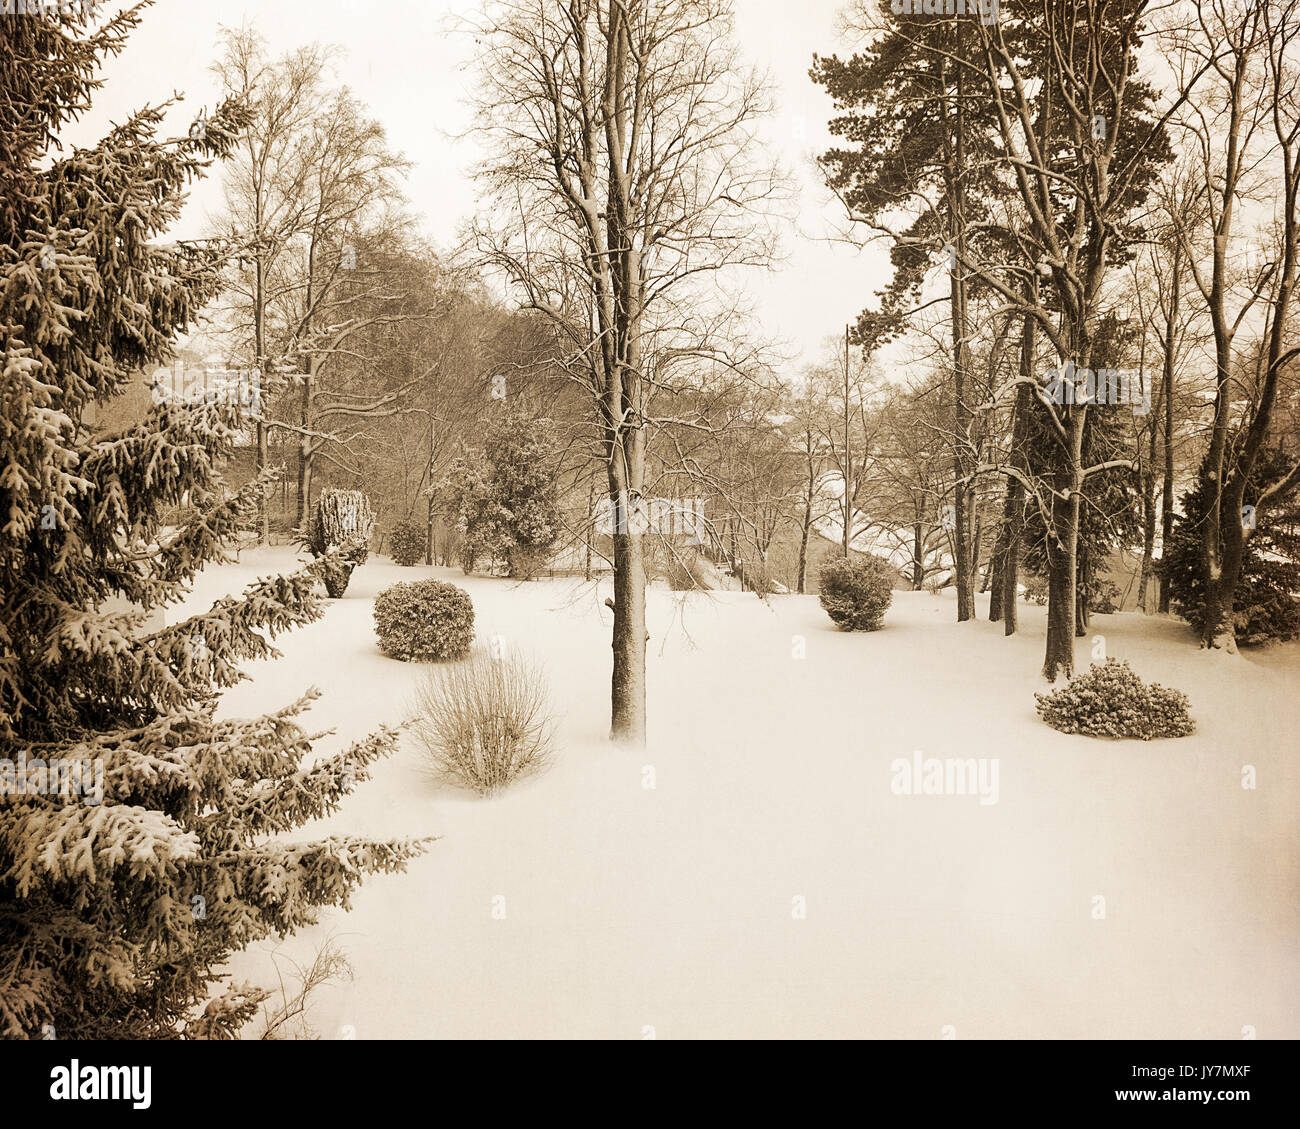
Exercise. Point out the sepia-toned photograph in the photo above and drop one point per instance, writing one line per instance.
(649, 520)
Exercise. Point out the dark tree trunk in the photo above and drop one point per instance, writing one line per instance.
(1011, 562)
(1013, 507)
(1219, 628)
(1082, 591)
(1167, 395)
(995, 570)
(263, 393)
(1060, 620)
(1062, 562)
(801, 583)
(628, 691)
(1148, 540)
(1166, 525)
(954, 190)
(591, 517)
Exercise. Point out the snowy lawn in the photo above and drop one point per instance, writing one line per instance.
(677, 908)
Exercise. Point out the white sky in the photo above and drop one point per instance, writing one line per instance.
(405, 63)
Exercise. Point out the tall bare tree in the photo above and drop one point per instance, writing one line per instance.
(624, 179)
(1244, 129)
(1080, 143)
(313, 196)
(266, 190)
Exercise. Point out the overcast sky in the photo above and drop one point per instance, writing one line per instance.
(402, 59)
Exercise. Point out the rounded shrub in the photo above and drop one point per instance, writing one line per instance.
(406, 542)
(424, 621)
(1110, 700)
(856, 593)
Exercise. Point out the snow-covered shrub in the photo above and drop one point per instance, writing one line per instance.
(1104, 598)
(406, 542)
(856, 593)
(338, 533)
(424, 621)
(1110, 700)
(484, 722)
(1036, 589)
(503, 499)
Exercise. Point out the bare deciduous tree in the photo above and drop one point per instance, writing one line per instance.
(624, 183)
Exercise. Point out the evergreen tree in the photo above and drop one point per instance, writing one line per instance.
(125, 885)
(1267, 602)
(1110, 516)
(504, 498)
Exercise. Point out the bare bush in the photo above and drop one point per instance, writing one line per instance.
(484, 722)
(288, 1018)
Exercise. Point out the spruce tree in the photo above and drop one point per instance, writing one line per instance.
(504, 497)
(1266, 605)
(126, 885)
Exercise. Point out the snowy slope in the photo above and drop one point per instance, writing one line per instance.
(628, 908)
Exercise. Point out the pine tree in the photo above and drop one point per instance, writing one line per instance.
(124, 887)
(1266, 606)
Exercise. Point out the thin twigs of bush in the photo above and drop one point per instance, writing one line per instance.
(484, 722)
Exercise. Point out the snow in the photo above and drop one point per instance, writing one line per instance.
(631, 911)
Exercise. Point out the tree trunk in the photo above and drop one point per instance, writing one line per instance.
(1219, 629)
(1060, 619)
(1013, 508)
(428, 512)
(1166, 525)
(1082, 591)
(963, 576)
(628, 690)
(1148, 540)
(1167, 493)
(1062, 562)
(591, 517)
(802, 581)
(300, 509)
(259, 347)
(918, 556)
(996, 563)
(1011, 561)
(264, 511)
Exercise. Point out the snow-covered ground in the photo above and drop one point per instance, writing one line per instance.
(772, 883)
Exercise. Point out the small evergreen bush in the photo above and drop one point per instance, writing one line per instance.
(424, 621)
(1036, 589)
(857, 593)
(406, 542)
(485, 722)
(1104, 598)
(1110, 700)
(503, 498)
